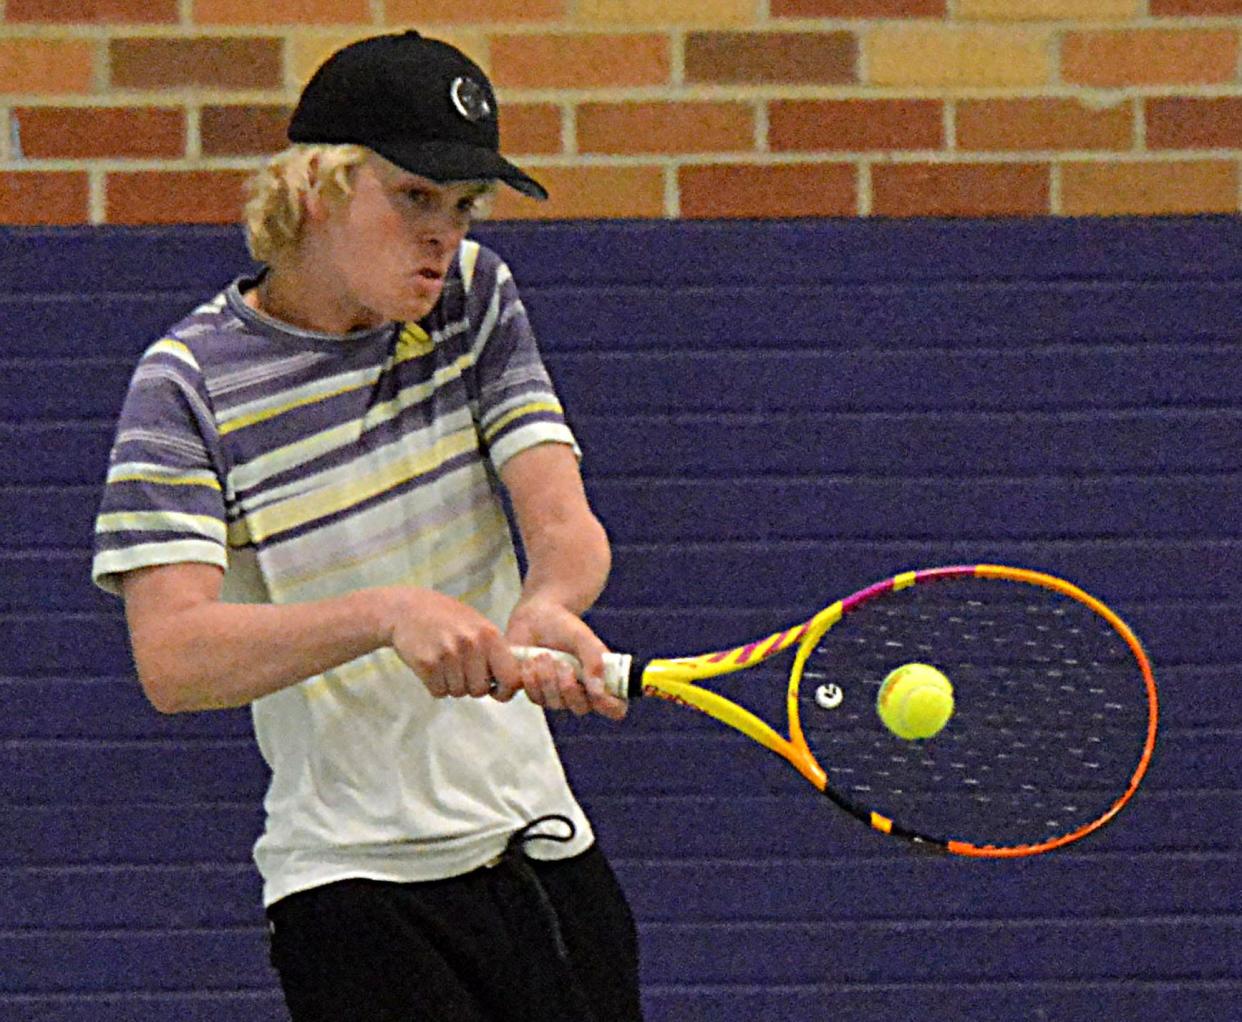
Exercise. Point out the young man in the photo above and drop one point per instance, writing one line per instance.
(303, 514)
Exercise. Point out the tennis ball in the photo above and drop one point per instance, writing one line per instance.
(915, 701)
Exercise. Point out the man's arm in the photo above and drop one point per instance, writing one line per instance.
(194, 652)
(568, 559)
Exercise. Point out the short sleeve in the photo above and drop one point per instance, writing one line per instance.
(517, 404)
(164, 501)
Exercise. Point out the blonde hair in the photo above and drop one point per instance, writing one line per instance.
(274, 212)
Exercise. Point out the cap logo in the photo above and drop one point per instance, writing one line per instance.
(470, 99)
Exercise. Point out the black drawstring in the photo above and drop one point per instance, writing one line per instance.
(515, 855)
(570, 997)
(523, 837)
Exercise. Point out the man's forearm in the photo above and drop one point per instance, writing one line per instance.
(567, 564)
(216, 655)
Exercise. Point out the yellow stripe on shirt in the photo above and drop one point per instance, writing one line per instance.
(261, 524)
(281, 459)
(393, 526)
(177, 349)
(161, 521)
(141, 472)
(263, 415)
(528, 409)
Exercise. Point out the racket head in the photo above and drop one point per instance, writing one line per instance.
(1056, 718)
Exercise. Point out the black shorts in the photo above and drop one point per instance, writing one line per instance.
(520, 941)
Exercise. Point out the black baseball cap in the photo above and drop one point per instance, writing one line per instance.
(420, 103)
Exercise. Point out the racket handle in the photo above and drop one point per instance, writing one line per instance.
(617, 666)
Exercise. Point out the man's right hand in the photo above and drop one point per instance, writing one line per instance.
(453, 649)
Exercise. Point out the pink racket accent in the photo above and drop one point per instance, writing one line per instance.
(866, 595)
(745, 653)
(776, 642)
(855, 601)
(757, 651)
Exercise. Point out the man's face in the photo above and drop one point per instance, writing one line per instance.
(391, 243)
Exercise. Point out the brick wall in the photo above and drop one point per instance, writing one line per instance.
(152, 111)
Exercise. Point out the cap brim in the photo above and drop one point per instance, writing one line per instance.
(455, 161)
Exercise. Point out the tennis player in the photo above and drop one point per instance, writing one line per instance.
(303, 514)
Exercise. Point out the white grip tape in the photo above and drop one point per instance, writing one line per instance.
(616, 666)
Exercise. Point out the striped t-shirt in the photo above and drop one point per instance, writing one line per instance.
(309, 465)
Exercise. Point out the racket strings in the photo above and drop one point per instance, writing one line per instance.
(1049, 722)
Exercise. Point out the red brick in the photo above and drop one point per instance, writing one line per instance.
(1195, 7)
(1186, 122)
(946, 190)
(82, 133)
(1000, 125)
(1155, 56)
(94, 12)
(768, 191)
(175, 197)
(855, 125)
(739, 58)
(588, 193)
(30, 198)
(531, 128)
(439, 12)
(46, 67)
(577, 61)
(229, 63)
(1183, 187)
(281, 12)
(859, 8)
(243, 130)
(687, 127)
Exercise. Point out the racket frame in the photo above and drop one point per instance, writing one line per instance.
(674, 679)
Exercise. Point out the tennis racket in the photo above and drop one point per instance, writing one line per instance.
(1053, 731)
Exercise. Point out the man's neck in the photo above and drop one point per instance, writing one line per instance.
(294, 298)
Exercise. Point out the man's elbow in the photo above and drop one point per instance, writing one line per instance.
(598, 542)
(162, 605)
(165, 682)
(165, 692)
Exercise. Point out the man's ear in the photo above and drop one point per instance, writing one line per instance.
(314, 203)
